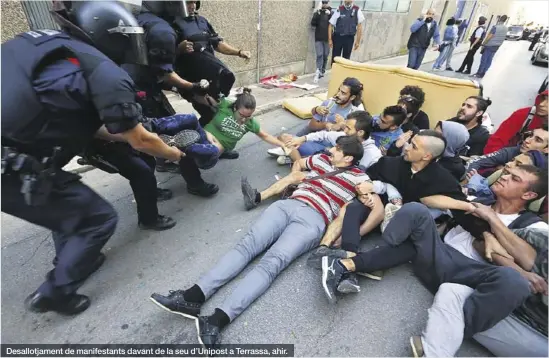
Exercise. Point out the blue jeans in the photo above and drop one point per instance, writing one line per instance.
(444, 56)
(322, 53)
(311, 148)
(415, 56)
(486, 60)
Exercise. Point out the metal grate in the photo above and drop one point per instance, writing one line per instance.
(38, 14)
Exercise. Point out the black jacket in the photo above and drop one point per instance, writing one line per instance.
(432, 180)
(454, 165)
(320, 21)
(478, 137)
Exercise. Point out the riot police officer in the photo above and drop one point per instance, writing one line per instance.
(63, 86)
(197, 43)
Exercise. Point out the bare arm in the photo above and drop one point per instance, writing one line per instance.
(227, 49)
(522, 252)
(443, 202)
(270, 139)
(330, 32)
(173, 79)
(488, 37)
(144, 141)
(103, 133)
(299, 165)
(537, 283)
(358, 33)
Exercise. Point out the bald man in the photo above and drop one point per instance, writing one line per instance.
(423, 30)
(418, 177)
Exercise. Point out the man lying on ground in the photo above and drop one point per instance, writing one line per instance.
(358, 123)
(304, 215)
(534, 140)
(331, 113)
(412, 236)
(518, 241)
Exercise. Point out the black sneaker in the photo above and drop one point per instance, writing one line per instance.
(163, 194)
(162, 223)
(449, 69)
(175, 303)
(332, 273)
(182, 139)
(466, 72)
(459, 71)
(208, 333)
(66, 305)
(205, 190)
(249, 194)
(168, 167)
(349, 284)
(315, 258)
(229, 154)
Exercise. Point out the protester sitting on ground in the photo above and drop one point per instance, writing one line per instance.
(411, 98)
(470, 115)
(456, 136)
(491, 314)
(412, 236)
(331, 113)
(525, 119)
(386, 127)
(521, 334)
(358, 123)
(231, 122)
(534, 140)
(416, 175)
(478, 187)
(288, 228)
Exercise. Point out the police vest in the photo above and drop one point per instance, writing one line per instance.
(25, 119)
(194, 29)
(473, 38)
(347, 21)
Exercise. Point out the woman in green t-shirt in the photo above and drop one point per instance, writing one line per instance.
(232, 121)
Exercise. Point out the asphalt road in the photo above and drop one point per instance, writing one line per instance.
(376, 322)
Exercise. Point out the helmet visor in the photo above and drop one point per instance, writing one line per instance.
(136, 51)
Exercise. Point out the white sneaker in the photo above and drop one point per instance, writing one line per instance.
(284, 160)
(317, 76)
(276, 152)
(390, 211)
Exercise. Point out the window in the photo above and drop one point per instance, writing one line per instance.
(403, 6)
(335, 4)
(385, 5)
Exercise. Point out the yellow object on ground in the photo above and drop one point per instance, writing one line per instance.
(382, 85)
(301, 106)
(322, 96)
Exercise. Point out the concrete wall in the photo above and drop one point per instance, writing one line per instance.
(13, 18)
(286, 41)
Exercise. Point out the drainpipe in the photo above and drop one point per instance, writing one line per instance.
(258, 39)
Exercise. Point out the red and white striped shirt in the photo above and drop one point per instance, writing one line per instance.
(327, 195)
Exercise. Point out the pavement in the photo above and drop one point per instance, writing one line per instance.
(376, 322)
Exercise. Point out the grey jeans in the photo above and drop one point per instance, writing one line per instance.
(288, 229)
(322, 53)
(443, 334)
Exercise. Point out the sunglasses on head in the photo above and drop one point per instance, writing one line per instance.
(408, 99)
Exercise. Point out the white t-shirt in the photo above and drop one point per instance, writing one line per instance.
(479, 32)
(335, 16)
(462, 240)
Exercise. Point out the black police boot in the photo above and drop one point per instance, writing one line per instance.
(163, 194)
(66, 305)
(204, 190)
(161, 223)
(168, 167)
(229, 154)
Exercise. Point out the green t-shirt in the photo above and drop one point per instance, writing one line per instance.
(225, 128)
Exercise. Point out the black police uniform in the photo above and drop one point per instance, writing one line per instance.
(44, 110)
(202, 62)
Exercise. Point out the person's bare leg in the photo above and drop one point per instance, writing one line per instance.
(279, 186)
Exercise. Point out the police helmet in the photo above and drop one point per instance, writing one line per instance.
(108, 26)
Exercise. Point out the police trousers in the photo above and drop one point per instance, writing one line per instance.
(81, 221)
(138, 168)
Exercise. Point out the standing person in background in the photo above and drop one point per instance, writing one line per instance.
(347, 21)
(476, 39)
(462, 27)
(423, 30)
(535, 40)
(447, 46)
(491, 44)
(321, 23)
